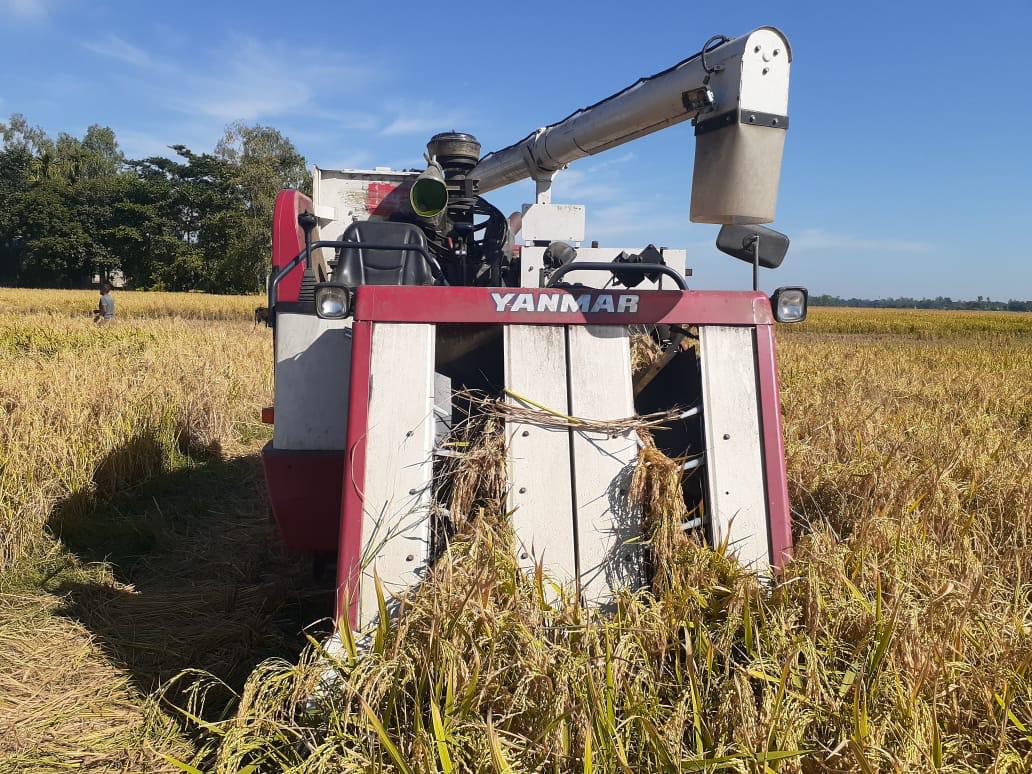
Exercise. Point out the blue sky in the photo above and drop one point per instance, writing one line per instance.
(908, 167)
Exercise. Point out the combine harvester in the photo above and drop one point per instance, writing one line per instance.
(395, 293)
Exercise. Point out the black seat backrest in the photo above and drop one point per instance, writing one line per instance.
(361, 266)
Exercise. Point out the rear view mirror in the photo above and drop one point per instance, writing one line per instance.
(738, 241)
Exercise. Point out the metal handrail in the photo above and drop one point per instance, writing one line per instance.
(274, 281)
(640, 268)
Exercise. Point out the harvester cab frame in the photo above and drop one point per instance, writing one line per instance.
(395, 295)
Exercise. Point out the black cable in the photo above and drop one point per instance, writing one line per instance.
(491, 248)
(720, 40)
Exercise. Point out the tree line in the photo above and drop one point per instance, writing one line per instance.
(73, 208)
(939, 302)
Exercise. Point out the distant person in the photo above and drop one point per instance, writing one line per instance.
(105, 311)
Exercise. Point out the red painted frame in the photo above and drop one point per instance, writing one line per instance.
(304, 490)
(288, 240)
(381, 303)
(779, 511)
(433, 305)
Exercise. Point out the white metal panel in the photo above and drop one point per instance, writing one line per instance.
(766, 62)
(531, 262)
(608, 532)
(734, 462)
(325, 212)
(736, 174)
(399, 464)
(553, 222)
(345, 192)
(540, 494)
(313, 361)
(737, 169)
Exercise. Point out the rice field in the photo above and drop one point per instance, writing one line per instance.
(134, 546)
(130, 305)
(88, 410)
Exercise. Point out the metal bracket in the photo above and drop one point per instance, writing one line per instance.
(542, 177)
(749, 117)
(698, 101)
(638, 268)
(543, 189)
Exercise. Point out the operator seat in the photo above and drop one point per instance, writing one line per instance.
(362, 266)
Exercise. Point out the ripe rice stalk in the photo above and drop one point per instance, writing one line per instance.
(522, 409)
(473, 479)
(656, 492)
(645, 350)
(898, 638)
(479, 652)
(130, 305)
(87, 411)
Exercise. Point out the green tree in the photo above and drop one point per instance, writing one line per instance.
(71, 208)
(101, 156)
(18, 134)
(57, 198)
(58, 250)
(16, 170)
(188, 208)
(262, 161)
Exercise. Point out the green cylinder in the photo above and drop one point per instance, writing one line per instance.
(429, 194)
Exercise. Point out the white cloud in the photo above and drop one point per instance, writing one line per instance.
(245, 80)
(359, 159)
(632, 220)
(592, 180)
(114, 47)
(250, 83)
(817, 239)
(344, 119)
(141, 145)
(423, 118)
(576, 185)
(27, 9)
(611, 161)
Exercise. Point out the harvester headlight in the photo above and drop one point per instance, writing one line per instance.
(789, 304)
(332, 302)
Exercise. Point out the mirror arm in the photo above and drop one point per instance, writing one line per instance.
(308, 222)
(756, 262)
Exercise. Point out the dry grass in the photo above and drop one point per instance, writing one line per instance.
(900, 637)
(64, 705)
(88, 410)
(90, 417)
(130, 304)
(472, 480)
(913, 323)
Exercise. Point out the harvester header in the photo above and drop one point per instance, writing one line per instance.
(397, 295)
